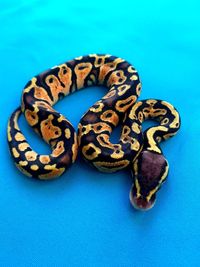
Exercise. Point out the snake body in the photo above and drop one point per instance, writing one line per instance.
(135, 149)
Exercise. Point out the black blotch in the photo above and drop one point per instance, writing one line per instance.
(125, 130)
(50, 80)
(61, 95)
(90, 151)
(99, 128)
(109, 115)
(82, 67)
(118, 74)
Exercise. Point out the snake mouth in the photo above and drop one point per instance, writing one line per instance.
(140, 202)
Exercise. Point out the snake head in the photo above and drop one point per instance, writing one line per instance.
(150, 170)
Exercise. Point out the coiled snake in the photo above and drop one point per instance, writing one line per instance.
(136, 150)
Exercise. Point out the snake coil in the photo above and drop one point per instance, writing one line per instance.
(137, 150)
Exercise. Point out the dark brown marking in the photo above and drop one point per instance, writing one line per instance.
(91, 117)
(65, 159)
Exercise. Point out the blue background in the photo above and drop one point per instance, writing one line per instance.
(84, 218)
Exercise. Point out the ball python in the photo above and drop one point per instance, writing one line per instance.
(137, 150)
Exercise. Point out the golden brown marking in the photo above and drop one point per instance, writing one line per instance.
(140, 116)
(44, 159)
(117, 77)
(150, 135)
(15, 120)
(19, 137)
(137, 185)
(111, 166)
(110, 94)
(107, 67)
(118, 152)
(78, 58)
(40, 93)
(55, 86)
(41, 104)
(175, 122)
(82, 70)
(164, 121)
(99, 107)
(123, 105)
(31, 155)
(31, 117)
(96, 151)
(122, 89)
(103, 140)
(135, 167)
(50, 167)
(136, 127)
(134, 78)
(160, 182)
(151, 102)
(9, 132)
(15, 152)
(99, 60)
(23, 146)
(67, 133)
(131, 69)
(59, 149)
(132, 113)
(34, 167)
(138, 89)
(48, 130)
(125, 131)
(23, 162)
(75, 148)
(65, 76)
(110, 116)
(99, 127)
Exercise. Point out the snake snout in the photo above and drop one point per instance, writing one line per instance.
(141, 202)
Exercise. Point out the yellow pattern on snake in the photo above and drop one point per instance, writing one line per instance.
(137, 150)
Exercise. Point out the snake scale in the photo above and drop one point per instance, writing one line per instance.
(137, 150)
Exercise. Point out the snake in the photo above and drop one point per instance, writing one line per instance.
(137, 150)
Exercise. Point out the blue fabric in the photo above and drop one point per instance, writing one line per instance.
(84, 218)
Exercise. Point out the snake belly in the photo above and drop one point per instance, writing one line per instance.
(135, 149)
